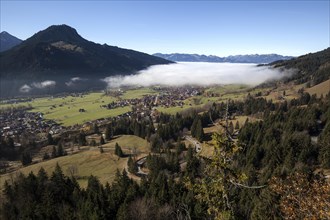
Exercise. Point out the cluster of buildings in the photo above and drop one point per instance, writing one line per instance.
(167, 97)
(15, 122)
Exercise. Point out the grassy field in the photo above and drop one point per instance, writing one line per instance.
(173, 110)
(231, 88)
(193, 102)
(138, 93)
(320, 89)
(89, 161)
(207, 150)
(128, 143)
(66, 110)
(291, 91)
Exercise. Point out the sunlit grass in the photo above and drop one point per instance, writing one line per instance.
(138, 93)
(90, 161)
(66, 110)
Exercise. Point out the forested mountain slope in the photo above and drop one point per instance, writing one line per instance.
(274, 170)
(313, 67)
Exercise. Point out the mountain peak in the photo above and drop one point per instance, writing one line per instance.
(59, 53)
(4, 33)
(62, 27)
(8, 41)
(56, 33)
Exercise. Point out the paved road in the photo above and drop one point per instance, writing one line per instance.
(198, 145)
(139, 163)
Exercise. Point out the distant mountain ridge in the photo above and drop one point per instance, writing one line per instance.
(8, 41)
(253, 58)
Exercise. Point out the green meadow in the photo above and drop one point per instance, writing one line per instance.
(66, 110)
(89, 161)
(138, 93)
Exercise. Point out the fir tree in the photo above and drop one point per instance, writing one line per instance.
(132, 168)
(118, 151)
(108, 132)
(199, 132)
(102, 141)
(231, 128)
(82, 139)
(60, 151)
(193, 127)
(54, 153)
(50, 139)
(237, 125)
(46, 156)
(26, 159)
(96, 129)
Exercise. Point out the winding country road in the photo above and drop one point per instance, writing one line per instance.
(197, 144)
(139, 163)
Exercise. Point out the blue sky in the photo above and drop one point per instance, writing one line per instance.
(205, 27)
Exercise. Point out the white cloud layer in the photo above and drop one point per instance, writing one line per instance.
(44, 84)
(204, 74)
(25, 88)
(37, 85)
(73, 80)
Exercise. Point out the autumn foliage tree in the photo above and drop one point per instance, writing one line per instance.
(219, 176)
(302, 196)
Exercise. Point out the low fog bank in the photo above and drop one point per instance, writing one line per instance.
(37, 85)
(178, 74)
(25, 88)
(203, 74)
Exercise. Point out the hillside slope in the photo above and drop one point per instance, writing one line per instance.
(7, 41)
(61, 50)
(313, 67)
(59, 54)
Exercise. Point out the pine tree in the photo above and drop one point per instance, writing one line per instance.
(137, 129)
(108, 132)
(50, 139)
(82, 139)
(118, 151)
(42, 175)
(199, 133)
(192, 163)
(60, 151)
(26, 159)
(96, 129)
(54, 153)
(231, 127)
(237, 125)
(131, 165)
(324, 156)
(102, 140)
(46, 156)
(193, 127)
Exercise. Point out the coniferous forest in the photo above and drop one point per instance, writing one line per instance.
(273, 170)
(165, 110)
